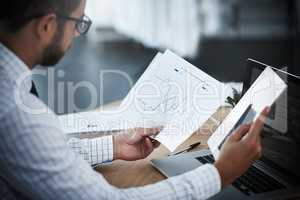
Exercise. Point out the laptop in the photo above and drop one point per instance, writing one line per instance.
(277, 174)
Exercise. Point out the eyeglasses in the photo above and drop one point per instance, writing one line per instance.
(82, 25)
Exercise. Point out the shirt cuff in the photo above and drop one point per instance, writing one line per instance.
(106, 151)
(110, 149)
(209, 175)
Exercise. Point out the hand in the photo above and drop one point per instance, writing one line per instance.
(135, 144)
(240, 150)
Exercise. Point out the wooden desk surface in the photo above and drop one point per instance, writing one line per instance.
(125, 174)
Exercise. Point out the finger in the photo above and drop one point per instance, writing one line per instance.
(240, 132)
(146, 132)
(152, 131)
(135, 138)
(155, 143)
(138, 134)
(258, 125)
(258, 156)
(149, 146)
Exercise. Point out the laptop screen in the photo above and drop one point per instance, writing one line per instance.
(281, 136)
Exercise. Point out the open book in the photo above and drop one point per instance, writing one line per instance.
(171, 93)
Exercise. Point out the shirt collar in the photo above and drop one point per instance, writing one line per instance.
(15, 68)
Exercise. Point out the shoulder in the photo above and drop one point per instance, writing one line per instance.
(29, 119)
(7, 88)
(21, 106)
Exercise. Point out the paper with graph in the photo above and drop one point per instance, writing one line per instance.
(171, 93)
(176, 95)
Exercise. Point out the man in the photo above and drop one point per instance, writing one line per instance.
(38, 162)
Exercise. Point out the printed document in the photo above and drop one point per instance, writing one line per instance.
(177, 95)
(171, 93)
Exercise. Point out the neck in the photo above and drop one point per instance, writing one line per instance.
(21, 49)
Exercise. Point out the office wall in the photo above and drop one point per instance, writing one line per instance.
(69, 86)
(226, 59)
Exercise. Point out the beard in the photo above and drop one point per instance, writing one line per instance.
(54, 52)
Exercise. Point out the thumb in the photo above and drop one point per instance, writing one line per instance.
(148, 147)
(135, 138)
(240, 132)
(139, 134)
(258, 125)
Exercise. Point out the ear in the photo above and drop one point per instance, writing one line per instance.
(45, 28)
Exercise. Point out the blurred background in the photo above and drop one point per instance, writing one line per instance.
(215, 35)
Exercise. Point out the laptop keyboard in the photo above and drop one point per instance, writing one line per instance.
(254, 181)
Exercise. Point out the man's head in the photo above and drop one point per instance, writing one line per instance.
(46, 27)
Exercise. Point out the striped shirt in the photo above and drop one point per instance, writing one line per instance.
(38, 161)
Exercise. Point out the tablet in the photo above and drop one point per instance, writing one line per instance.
(265, 90)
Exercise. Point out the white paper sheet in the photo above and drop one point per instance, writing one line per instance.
(171, 93)
(263, 92)
(100, 122)
(179, 95)
(87, 122)
(111, 120)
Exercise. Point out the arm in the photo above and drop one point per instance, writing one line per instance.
(132, 144)
(94, 151)
(36, 161)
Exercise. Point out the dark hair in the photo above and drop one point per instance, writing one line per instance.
(15, 14)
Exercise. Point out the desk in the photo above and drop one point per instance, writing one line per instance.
(124, 174)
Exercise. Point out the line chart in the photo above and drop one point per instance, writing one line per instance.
(168, 101)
